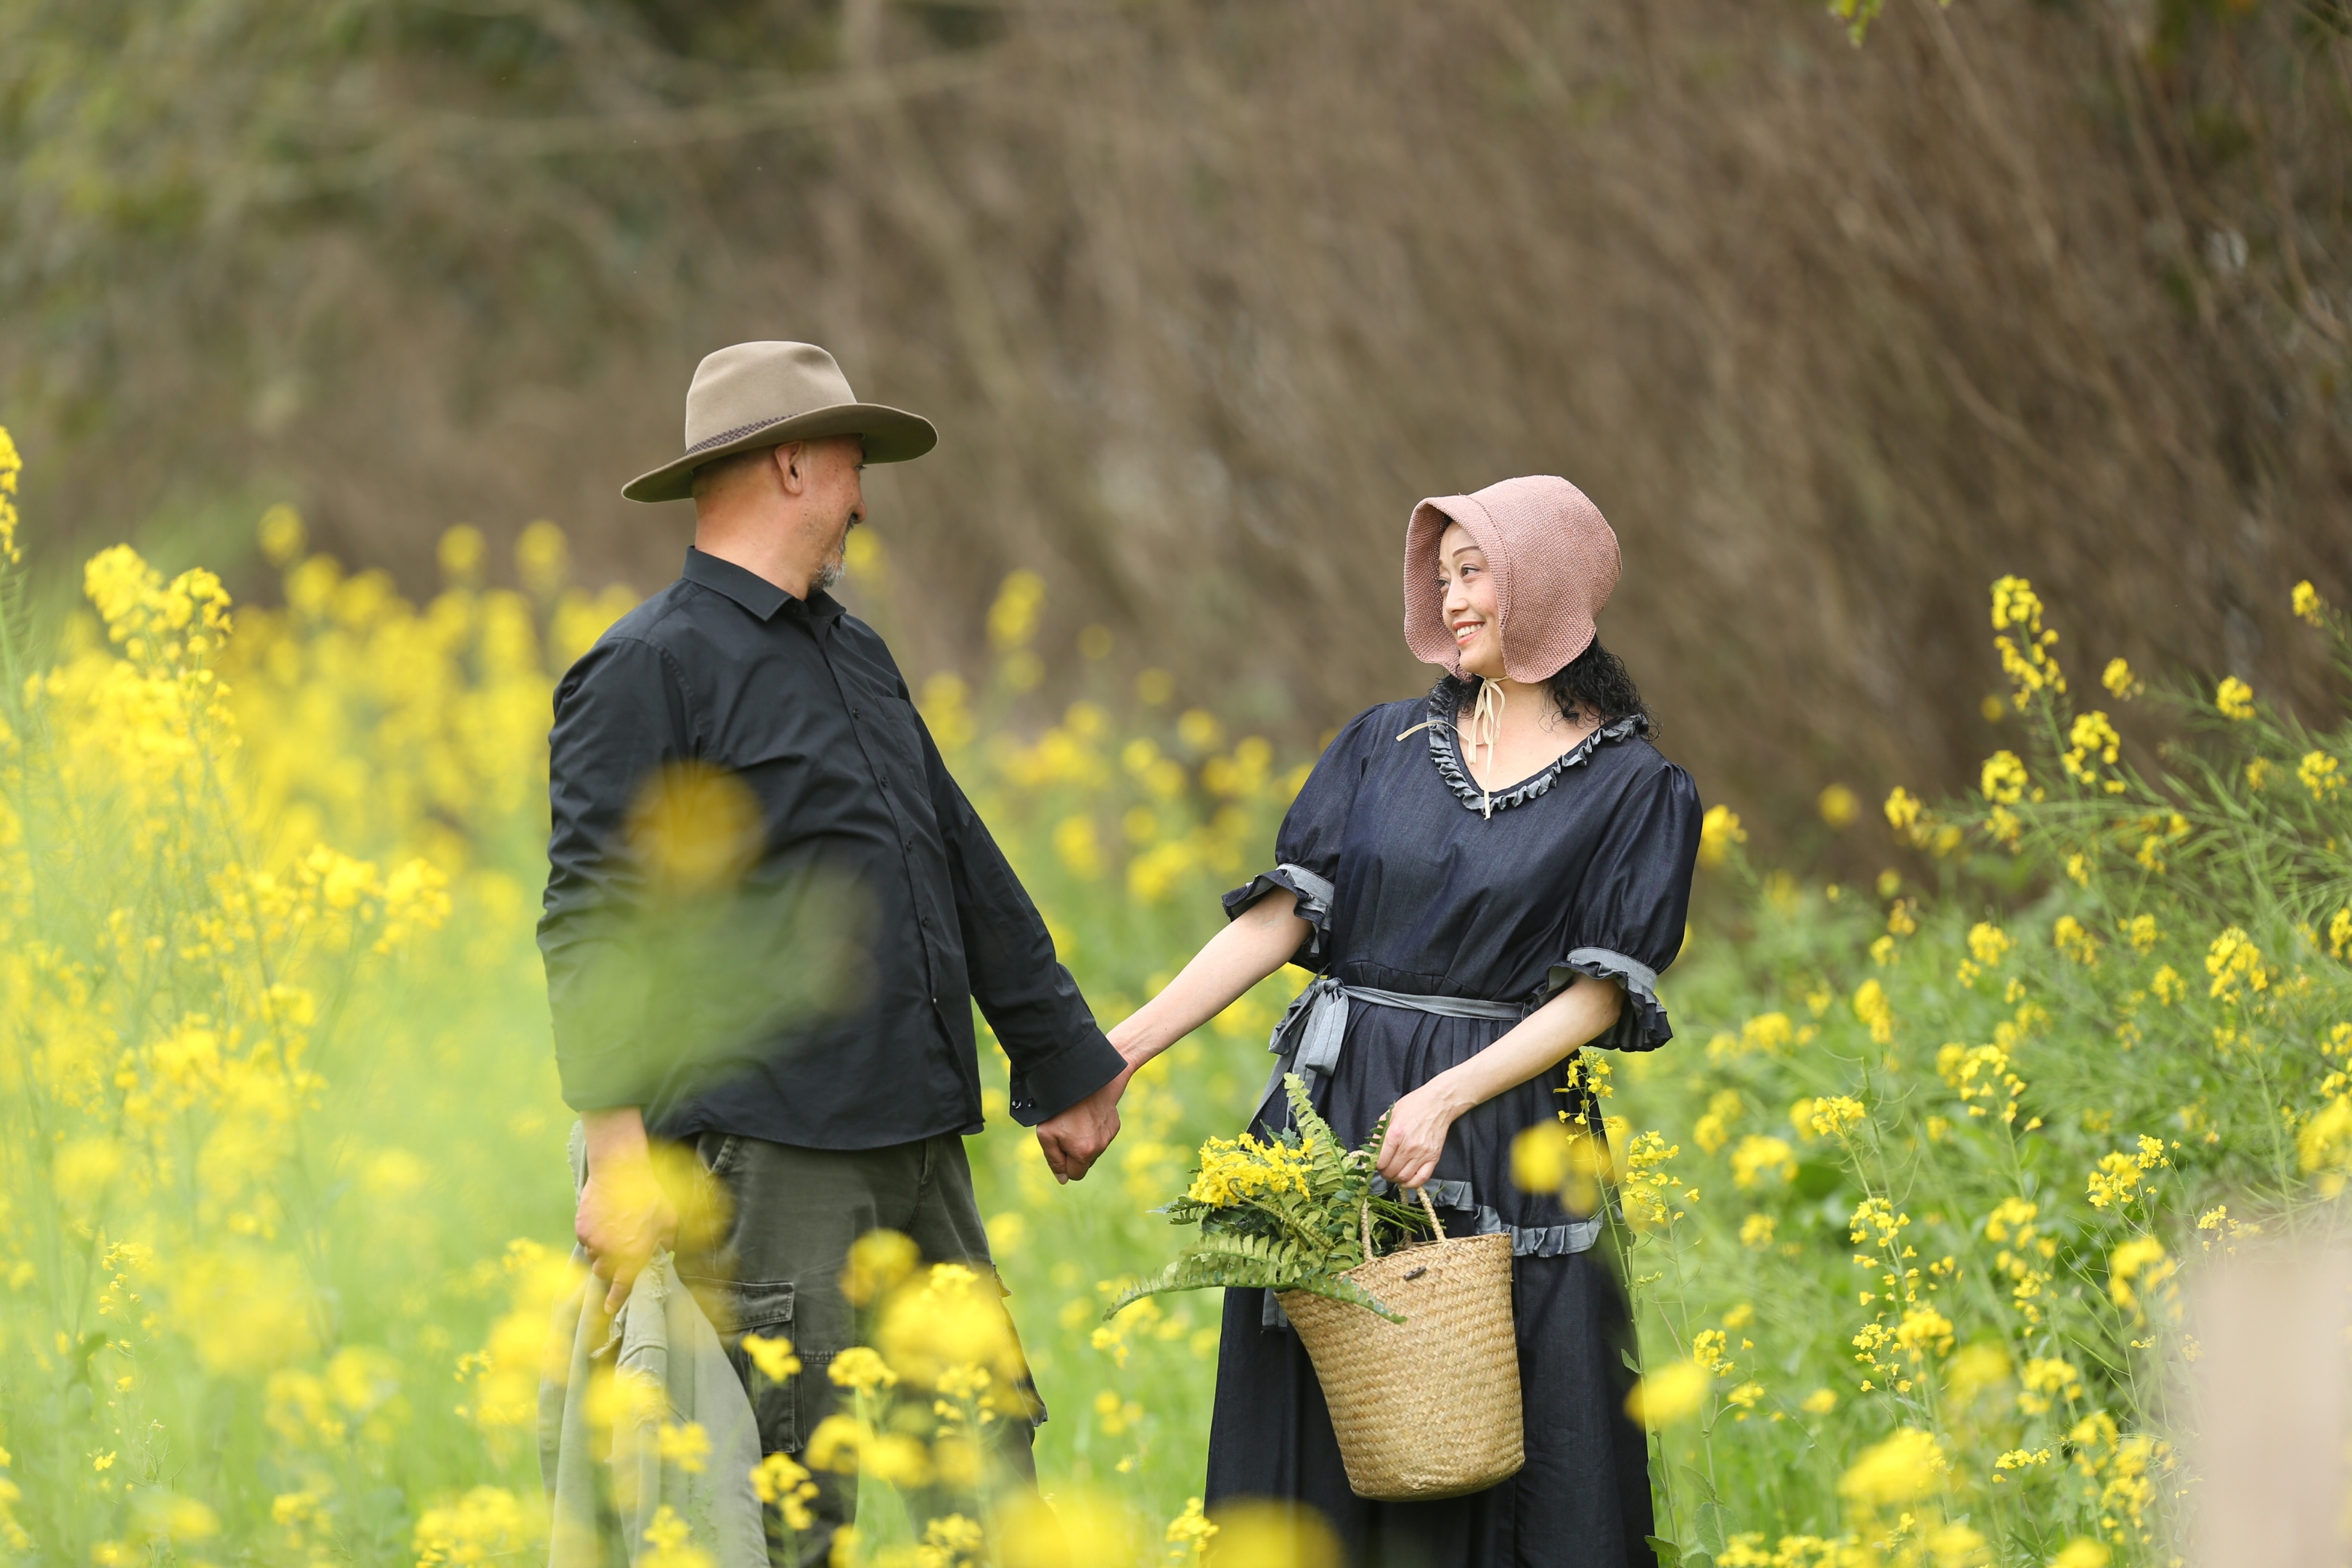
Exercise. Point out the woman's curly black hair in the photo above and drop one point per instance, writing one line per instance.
(1597, 682)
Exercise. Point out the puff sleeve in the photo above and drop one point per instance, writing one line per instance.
(1307, 849)
(1633, 904)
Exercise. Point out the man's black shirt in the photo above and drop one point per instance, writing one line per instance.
(769, 908)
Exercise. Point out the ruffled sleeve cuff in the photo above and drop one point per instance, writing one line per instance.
(1313, 893)
(1642, 1023)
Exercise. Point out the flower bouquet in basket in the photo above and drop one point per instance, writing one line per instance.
(1286, 1214)
(1423, 1384)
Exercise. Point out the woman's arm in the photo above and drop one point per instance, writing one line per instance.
(1418, 1128)
(1257, 942)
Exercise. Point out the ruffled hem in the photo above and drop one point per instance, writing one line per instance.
(1445, 700)
(1641, 1025)
(1313, 894)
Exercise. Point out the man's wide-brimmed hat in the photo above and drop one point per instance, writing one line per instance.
(1552, 556)
(764, 394)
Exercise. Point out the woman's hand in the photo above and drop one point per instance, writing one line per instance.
(1416, 1135)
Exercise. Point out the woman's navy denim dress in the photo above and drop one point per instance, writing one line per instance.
(1415, 881)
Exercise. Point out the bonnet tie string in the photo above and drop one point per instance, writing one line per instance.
(1485, 730)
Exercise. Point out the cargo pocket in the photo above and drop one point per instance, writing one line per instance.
(764, 1308)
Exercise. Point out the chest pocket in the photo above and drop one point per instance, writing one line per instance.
(887, 731)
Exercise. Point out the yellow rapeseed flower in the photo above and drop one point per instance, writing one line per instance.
(2119, 681)
(1671, 1394)
(2091, 740)
(460, 554)
(2045, 1379)
(1191, 1530)
(484, 1525)
(878, 1260)
(1902, 1470)
(1923, 1328)
(1988, 944)
(1251, 1534)
(1540, 1158)
(773, 1357)
(2234, 699)
(2137, 1265)
(685, 1445)
(2323, 1144)
(1198, 729)
(2236, 966)
(2022, 644)
(1977, 1368)
(780, 1480)
(1757, 1156)
(2002, 778)
(2321, 774)
(862, 1368)
(1871, 1005)
(2305, 600)
(1903, 810)
(1234, 1170)
(2072, 938)
(1718, 830)
(672, 1539)
(11, 465)
(1012, 618)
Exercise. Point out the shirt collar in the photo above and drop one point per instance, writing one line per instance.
(753, 592)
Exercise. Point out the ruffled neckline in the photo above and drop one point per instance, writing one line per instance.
(1445, 701)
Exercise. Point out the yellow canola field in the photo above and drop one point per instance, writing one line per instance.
(284, 1210)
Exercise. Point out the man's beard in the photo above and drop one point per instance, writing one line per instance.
(831, 574)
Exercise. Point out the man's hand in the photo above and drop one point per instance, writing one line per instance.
(623, 1217)
(1076, 1138)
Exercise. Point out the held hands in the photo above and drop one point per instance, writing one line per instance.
(624, 1218)
(1075, 1138)
(1416, 1135)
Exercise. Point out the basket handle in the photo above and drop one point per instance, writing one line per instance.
(1364, 1217)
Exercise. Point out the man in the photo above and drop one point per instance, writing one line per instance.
(769, 908)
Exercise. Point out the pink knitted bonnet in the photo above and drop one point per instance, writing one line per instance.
(1554, 560)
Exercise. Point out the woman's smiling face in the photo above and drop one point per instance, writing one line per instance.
(1466, 590)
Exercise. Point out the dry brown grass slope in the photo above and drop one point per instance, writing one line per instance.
(1204, 295)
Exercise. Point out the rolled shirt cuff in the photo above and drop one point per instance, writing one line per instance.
(607, 1080)
(1044, 1089)
(1642, 1024)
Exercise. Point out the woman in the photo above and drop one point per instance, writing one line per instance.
(1485, 880)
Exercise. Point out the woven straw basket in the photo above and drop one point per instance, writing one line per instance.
(1427, 1408)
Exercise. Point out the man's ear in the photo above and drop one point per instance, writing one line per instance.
(789, 472)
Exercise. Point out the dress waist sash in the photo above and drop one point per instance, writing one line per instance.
(1308, 1038)
(1307, 1041)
